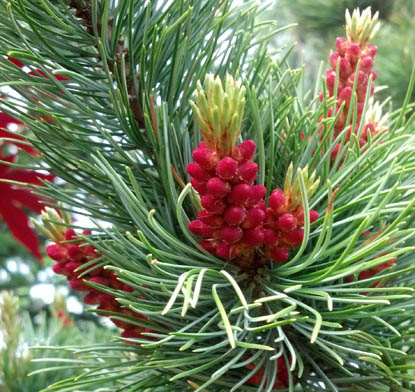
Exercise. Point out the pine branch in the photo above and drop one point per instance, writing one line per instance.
(208, 322)
(84, 12)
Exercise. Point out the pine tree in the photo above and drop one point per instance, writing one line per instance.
(245, 234)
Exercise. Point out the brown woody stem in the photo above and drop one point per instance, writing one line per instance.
(83, 10)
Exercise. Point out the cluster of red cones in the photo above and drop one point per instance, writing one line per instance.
(235, 219)
(348, 54)
(354, 60)
(70, 255)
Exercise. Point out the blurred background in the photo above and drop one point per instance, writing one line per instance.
(36, 306)
(319, 22)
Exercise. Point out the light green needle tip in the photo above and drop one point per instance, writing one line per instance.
(218, 110)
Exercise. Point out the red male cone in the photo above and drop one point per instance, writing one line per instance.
(235, 220)
(354, 58)
(224, 173)
(70, 253)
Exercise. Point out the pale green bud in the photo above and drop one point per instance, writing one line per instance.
(292, 187)
(52, 224)
(361, 27)
(218, 110)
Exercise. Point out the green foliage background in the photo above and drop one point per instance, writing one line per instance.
(124, 121)
(19, 371)
(320, 22)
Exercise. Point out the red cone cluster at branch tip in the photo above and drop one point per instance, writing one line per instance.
(235, 219)
(233, 208)
(354, 58)
(70, 254)
(348, 54)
